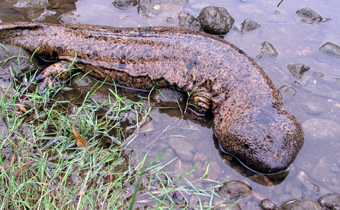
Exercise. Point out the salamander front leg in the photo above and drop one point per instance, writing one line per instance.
(201, 99)
(53, 73)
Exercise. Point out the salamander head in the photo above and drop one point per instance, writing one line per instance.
(266, 141)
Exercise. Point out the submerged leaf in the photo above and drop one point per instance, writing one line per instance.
(80, 141)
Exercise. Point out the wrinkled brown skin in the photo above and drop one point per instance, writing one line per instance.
(250, 120)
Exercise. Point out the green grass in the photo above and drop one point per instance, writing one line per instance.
(41, 166)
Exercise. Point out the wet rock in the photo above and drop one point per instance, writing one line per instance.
(330, 201)
(168, 97)
(330, 49)
(183, 149)
(249, 25)
(300, 204)
(235, 190)
(297, 70)
(267, 204)
(267, 49)
(188, 21)
(310, 16)
(313, 108)
(215, 20)
(124, 4)
(321, 129)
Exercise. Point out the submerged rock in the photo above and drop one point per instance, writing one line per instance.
(267, 205)
(249, 25)
(300, 204)
(215, 20)
(235, 190)
(124, 4)
(188, 21)
(321, 129)
(267, 49)
(330, 48)
(168, 97)
(150, 8)
(286, 90)
(330, 201)
(183, 149)
(310, 16)
(14, 54)
(297, 70)
(313, 108)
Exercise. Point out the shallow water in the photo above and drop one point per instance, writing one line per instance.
(314, 99)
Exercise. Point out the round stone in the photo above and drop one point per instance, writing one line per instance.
(215, 20)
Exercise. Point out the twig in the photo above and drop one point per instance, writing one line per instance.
(279, 3)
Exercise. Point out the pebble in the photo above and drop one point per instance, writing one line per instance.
(183, 148)
(235, 190)
(267, 49)
(321, 129)
(297, 70)
(215, 20)
(300, 204)
(330, 49)
(330, 201)
(249, 25)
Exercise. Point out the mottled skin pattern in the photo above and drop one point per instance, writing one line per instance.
(249, 118)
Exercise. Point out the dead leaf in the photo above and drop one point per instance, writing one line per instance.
(80, 141)
(21, 108)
